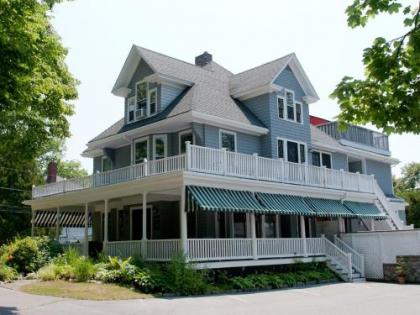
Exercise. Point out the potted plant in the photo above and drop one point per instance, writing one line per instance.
(401, 271)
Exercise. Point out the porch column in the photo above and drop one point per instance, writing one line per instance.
(57, 225)
(183, 223)
(341, 225)
(253, 236)
(144, 217)
(106, 205)
(33, 223)
(303, 234)
(372, 224)
(86, 244)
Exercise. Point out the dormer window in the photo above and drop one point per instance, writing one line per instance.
(288, 108)
(131, 107)
(141, 99)
(152, 101)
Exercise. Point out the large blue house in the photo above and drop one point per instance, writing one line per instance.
(229, 169)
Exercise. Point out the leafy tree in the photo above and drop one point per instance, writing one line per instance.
(408, 187)
(70, 169)
(35, 90)
(389, 96)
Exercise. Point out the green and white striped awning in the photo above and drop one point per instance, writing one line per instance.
(284, 204)
(364, 210)
(67, 219)
(328, 207)
(218, 199)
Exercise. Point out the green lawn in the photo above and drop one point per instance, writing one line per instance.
(83, 290)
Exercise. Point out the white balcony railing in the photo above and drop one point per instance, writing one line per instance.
(219, 162)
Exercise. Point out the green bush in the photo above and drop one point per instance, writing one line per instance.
(117, 270)
(146, 280)
(7, 273)
(84, 269)
(28, 254)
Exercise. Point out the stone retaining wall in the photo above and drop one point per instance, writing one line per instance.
(413, 266)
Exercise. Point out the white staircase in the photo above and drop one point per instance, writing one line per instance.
(344, 260)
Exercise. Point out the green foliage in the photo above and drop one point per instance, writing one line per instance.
(410, 178)
(117, 271)
(70, 169)
(146, 280)
(389, 96)
(35, 93)
(28, 254)
(7, 273)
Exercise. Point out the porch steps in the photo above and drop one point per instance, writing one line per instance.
(355, 275)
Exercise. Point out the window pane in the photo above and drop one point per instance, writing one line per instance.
(140, 151)
(160, 148)
(289, 98)
(183, 138)
(292, 152)
(302, 153)
(153, 102)
(228, 141)
(131, 103)
(290, 112)
(316, 159)
(298, 112)
(106, 164)
(326, 160)
(280, 149)
(239, 224)
(269, 225)
(280, 105)
(131, 115)
(141, 99)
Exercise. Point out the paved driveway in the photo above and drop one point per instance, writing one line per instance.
(341, 299)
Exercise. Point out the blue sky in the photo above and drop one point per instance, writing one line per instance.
(240, 35)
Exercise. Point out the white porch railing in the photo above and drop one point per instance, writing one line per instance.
(219, 249)
(219, 162)
(339, 257)
(357, 259)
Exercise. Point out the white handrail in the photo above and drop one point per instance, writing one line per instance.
(340, 258)
(357, 259)
(387, 207)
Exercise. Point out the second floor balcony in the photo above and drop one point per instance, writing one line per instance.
(218, 162)
(358, 135)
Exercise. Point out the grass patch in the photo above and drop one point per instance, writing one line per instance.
(83, 290)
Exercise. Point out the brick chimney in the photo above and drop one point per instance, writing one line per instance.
(52, 172)
(204, 59)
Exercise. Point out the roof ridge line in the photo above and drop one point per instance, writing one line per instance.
(263, 64)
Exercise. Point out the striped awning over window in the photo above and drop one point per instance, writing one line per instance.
(67, 219)
(284, 204)
(364, 210)
(328, 207)
(217, 199)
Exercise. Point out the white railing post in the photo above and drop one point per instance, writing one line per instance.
(145, 167)
(224, 161)
(342, 178)
(303, 235)
(372, 183)
(188, 155)
(324, 172)
(349, 266)
(144, 226)
(358, 181)
(256, 165)
(253, 237)
(283, 171)
(306, 174)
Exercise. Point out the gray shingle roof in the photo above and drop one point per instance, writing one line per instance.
(258, 76)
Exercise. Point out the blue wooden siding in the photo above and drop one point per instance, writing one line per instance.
(122, 157)
(383, 175)
(339, 161)
(167, 93)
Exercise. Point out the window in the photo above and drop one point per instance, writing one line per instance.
(270, 225)
(152, 102)
(280, 107)
(141, 150)
(239, 225)
(184, 137)
(131, 105)
(159, 147)
(298, 112)
(141, 99)
(228, 140)
(280, 149)
(290, 102)
(294, 151)
(106, 164)
(321, 159)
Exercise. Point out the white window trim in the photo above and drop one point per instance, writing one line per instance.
(221, 131)
(284, 98)
(133, 149)
(148, 100)
(104, 157)
(185, 132)
(165, 149)
(128, 111)
(285, 140)
(320, 157)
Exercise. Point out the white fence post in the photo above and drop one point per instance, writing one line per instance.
(253, 237)
(145, 167)
(342, 178)
(256, 165)
(188, 155)
(224, 161)
(358, 181)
